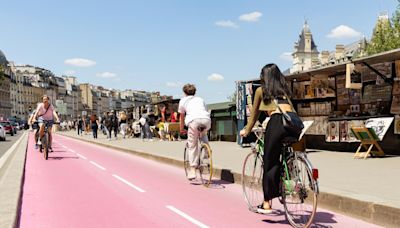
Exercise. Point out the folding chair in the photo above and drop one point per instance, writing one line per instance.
(368, 139)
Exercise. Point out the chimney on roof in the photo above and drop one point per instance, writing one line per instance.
(339, 53)
(324, 57)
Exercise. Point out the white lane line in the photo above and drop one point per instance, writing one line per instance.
(73, 151)
(64, 147)
(80, 155)
(128, 183)
(97, 165)
(186, 216)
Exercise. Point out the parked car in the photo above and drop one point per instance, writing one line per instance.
(2, 133)
(8, 127)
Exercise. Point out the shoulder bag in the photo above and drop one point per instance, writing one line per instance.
(291, 120)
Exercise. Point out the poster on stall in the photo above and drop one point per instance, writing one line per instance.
(397, 124)
(249, 89)
(332, 132)
(343, 131)
(395, 108)
(354, 123)
(307, 124)
(380, 125)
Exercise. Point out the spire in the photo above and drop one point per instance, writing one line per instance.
(306, 28)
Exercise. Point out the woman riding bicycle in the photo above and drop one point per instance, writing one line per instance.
(273, 86)
(194, 114)
(45, 114)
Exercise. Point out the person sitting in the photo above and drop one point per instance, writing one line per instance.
(160, 129)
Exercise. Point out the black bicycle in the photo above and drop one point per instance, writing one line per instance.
(46, 140)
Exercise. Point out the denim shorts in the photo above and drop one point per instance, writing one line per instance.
(49, 123)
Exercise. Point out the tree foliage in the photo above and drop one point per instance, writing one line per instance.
(386, 34)
(232, 97)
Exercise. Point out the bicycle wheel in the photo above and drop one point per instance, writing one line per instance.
(45, 143)
(300, 193)
(186, 164)
(206, 165)
(252, 174)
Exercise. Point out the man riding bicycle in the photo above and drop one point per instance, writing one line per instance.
(45, 114)
(194, 114)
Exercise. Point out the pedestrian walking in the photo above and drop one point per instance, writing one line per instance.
(115, 124)
(94, 123)
(123, 123)
(79, 125)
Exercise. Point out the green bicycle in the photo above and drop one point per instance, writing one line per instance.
(298, 182)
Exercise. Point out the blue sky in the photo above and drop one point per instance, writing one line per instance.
(159, 45)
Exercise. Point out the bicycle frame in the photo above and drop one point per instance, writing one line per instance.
(287, 152)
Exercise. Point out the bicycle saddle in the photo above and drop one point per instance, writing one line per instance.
(201, 128)
(289, 140)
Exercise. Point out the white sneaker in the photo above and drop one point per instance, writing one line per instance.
(191, 173)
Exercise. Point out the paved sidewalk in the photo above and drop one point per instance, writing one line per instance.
(367, 189)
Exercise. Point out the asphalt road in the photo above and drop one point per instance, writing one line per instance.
(10, 140)
(85, 185)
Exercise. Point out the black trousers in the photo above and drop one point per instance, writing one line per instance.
(274, 134)
(94, 129)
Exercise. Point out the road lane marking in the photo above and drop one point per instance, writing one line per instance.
(65, 147)
(80, 155)
(186, 216)
(97, 165)
(128, 183)
(8, 153)
(73, 151)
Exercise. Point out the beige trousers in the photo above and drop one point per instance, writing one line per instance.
(193, 139)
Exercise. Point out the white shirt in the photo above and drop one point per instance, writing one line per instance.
(194, 108)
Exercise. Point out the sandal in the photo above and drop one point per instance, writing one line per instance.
(262, 210)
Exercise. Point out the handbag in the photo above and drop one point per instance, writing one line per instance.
(291, 120)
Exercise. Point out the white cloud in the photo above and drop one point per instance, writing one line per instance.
(79, 62)
(251, 17)
(343, 32)
(215, 77)
(227, 24)
(287, 56)
(174, 84)
(69, 72)
(106, 75)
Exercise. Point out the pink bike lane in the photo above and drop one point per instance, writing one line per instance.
(85, 185)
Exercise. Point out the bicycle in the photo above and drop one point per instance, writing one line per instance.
(205, 165)
(298, 181)
(45, 140)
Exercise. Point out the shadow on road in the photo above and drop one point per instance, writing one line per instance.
(60, 158)
(320, 219)
(59, 151)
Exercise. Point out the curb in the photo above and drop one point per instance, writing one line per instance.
(367, 211)
(12, 173)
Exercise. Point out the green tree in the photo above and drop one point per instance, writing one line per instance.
(381, 37)
(396, 26)
(386, 34)
(233, 97)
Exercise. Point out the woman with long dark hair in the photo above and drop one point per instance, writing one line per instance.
(273, 86)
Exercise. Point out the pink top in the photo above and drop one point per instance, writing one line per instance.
(41, 110)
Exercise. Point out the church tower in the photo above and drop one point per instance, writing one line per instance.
(305, 55)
